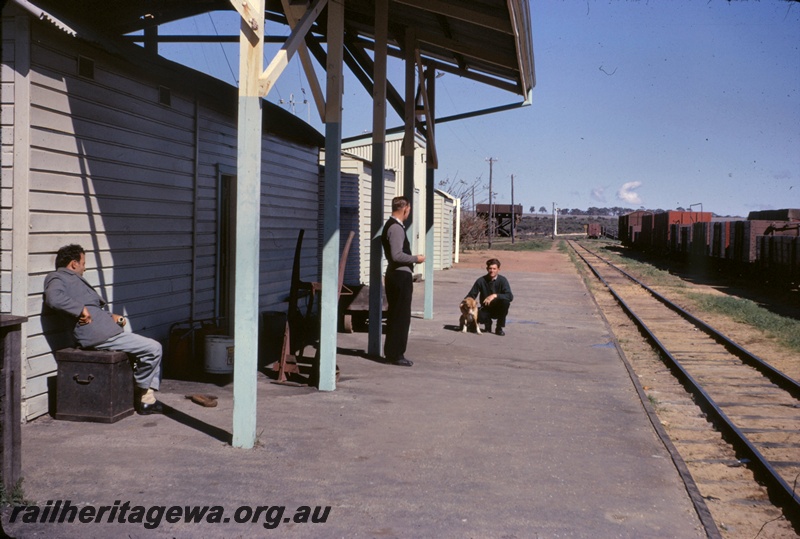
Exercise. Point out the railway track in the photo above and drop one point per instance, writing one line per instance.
(755, 407)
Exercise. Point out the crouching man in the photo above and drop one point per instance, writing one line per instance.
(66, 291)
(494, 295)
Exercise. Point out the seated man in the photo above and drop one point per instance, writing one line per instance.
(66, 291)
(495, 297)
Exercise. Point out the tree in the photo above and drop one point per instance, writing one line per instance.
(468, 192)
(532, 209)
(473, 232)
(473, 228)
(542, 209)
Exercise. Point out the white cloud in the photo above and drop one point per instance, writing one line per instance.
(626, 193)
(599, 194)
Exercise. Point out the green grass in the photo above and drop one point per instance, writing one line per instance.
(654, 401)
(15, 497)
(654, 276)
(579, 265)
(530, 245)
(649, 274)
(785, 331)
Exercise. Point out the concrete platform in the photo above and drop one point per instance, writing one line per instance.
(537, 434)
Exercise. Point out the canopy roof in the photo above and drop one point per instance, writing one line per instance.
(484, 40)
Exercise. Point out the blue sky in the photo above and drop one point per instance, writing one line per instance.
(654, 104)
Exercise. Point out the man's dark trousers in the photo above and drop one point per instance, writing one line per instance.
(497, 309)
(399, 290)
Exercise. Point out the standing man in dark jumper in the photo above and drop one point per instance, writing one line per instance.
(66, 291)
(495, 297)
(399, 282)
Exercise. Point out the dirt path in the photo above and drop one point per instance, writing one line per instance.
(551, 261)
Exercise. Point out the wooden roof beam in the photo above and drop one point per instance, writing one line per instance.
(444, 24)
(466, 49)
(430, 137)
(367, 66)
(467, 74)
(397, 52)
(463, 14)
(293, 15)
(270, 76)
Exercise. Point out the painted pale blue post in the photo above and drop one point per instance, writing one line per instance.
(329, 313)
(410, 130)
(248, 222)
(378, 171)
(329, 303)
(376, 252)
(429, 194)
(428, 304)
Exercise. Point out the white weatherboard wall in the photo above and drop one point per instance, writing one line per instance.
(394, 160)
(444, 238)
(107, 162)
(357, 192)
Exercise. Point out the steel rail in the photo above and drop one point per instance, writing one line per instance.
(779, 378)
(780, 493)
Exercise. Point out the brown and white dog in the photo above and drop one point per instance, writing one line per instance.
(469, 315)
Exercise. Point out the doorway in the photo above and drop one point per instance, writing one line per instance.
(226, 248)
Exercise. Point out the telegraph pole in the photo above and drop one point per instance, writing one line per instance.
(513, 217)
(491, 207)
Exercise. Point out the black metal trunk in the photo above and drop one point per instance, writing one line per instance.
(93, 385)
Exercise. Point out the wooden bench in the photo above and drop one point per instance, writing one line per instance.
(93, 385)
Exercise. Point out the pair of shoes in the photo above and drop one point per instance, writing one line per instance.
(402, 362)
(148, 409)
(500, 332)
